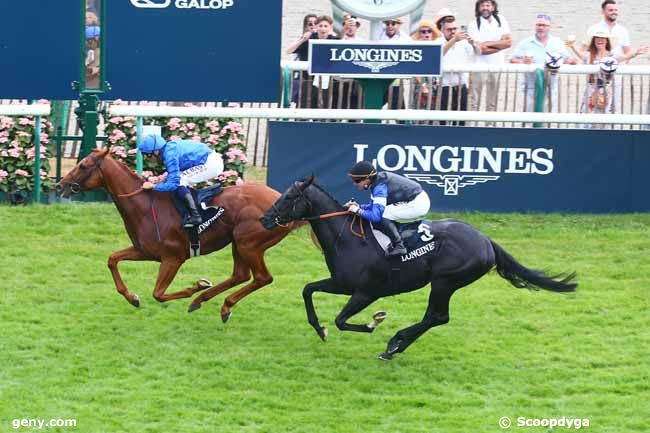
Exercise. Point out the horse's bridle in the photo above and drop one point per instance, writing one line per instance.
(316, 217)
(75, 187)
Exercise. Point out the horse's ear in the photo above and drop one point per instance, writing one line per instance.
(307, 182)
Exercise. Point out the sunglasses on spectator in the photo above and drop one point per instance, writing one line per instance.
(426, 31)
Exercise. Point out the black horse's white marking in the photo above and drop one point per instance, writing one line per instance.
(358, 267)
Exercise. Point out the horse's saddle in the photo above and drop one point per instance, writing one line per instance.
(202, 197)
(418, 238)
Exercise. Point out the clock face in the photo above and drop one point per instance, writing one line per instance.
(379, 9)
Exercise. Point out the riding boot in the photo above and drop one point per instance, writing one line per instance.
(195, 217)
(396, 247)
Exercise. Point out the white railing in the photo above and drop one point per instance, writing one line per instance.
(400, 115)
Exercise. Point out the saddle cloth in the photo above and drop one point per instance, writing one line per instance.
(202, 198)
(418, 238)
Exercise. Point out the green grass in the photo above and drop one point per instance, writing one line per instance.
(71, 347)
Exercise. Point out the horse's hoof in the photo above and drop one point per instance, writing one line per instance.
(322, 333)
(204, 284)
(377, 318)
(136, 301)
(385, 356)
(226, 317)
(193, 307)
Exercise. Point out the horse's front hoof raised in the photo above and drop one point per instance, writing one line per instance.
(135, 301)
(385, 356)
(226, 317)
(322, 333)
(193, 307)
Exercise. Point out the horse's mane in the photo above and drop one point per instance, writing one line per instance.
(122, 164)
(327, 194)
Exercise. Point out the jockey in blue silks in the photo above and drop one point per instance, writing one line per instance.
(392, 197)
(187, 162)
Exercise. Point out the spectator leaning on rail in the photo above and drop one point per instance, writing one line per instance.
(318, 96)
(187, 162)
(424, 88)
(458, 49)
(492, 34)
(392, 197)
(620, 39)
(538, 49)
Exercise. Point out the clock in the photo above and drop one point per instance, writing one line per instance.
(378, 10)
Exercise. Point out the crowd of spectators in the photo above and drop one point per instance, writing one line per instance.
(485, 40)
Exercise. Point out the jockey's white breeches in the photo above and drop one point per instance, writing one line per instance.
(416, 208)
(212, 168)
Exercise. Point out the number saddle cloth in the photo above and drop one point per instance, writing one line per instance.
(418, 236)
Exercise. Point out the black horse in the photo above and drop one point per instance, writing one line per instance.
(456, 255)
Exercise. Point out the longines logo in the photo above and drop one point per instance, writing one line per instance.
(183, 4)
(375, 59)
(455, 167)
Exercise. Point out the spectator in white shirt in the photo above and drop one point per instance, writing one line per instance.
(458, 49)
(536, 49)
(492, 34)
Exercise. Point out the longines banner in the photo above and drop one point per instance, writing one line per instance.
(482, 169)
(374, 59)
(193, 50)
(39, 49)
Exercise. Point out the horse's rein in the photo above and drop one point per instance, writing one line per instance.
(360, 234)
(131, 194)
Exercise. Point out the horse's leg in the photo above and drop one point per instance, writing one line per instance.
(355, 304)
(166, 274)
(130, 253)
(261, 277)
(327, 286)
(437, 314)
(241, 273)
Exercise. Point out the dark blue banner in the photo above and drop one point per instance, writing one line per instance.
(40, 48)
(193, 50)
(374, 59)
(474, 169)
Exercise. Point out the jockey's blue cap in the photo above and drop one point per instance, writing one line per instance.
(92, 32)
(151, 142)
(362, 170)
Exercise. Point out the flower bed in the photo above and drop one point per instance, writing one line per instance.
(223, 135)
(17, 153)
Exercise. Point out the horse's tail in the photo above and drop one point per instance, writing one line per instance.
(520, 276)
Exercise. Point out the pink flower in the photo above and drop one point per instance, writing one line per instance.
(25, 121)
(196, 138)
(191, 125)
(239, 181)
(212, 139)
(213, 126)
(21, 172)
(233, 139)
(43, 174)
(3, 139)
(3, 174)
(132, 151)
(175, 138)
(115, 120)
(234, 126)
(14, 152)
(4, 153)
(234, 154)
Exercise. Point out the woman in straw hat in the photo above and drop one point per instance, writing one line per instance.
(598, 94)
(424, 88)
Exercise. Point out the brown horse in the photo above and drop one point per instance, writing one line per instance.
(155, 229)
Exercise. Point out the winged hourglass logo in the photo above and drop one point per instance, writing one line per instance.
(151, 4)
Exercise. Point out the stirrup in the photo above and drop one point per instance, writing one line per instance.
(394, 251)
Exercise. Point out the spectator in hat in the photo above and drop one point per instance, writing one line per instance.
(346, 90)
(351, 26)
(492, 33)
(424, 88)
(600, 96)
(536, 49)
(392, 31)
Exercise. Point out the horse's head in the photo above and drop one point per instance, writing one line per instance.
(291, 206)
(85, 175)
